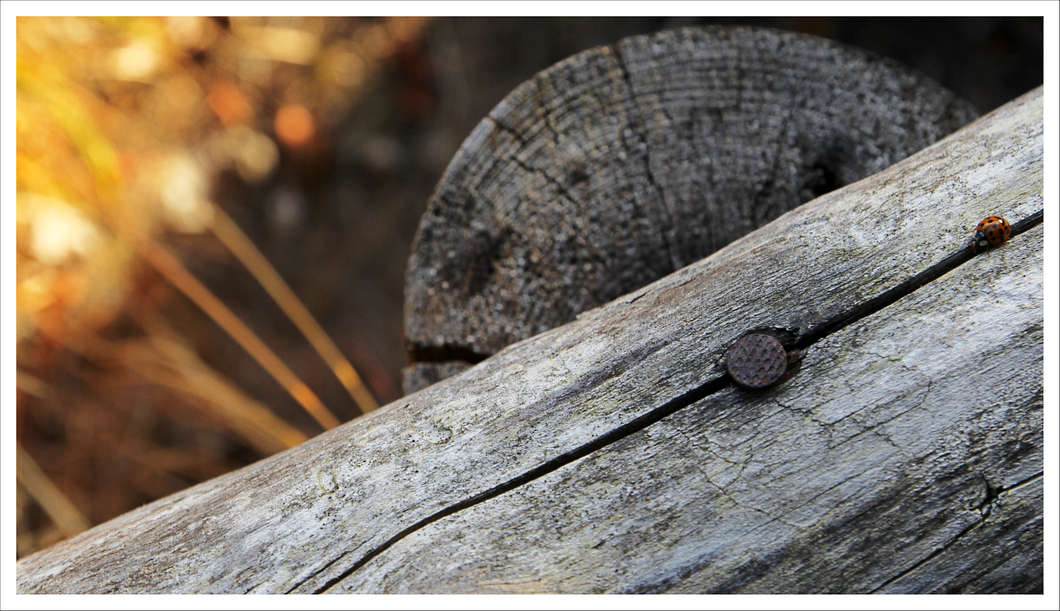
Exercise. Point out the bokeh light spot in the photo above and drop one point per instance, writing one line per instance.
(294, 125)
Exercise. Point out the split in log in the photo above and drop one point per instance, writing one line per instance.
(612, 454)
(623, 164)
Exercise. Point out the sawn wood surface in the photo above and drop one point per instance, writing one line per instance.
(624, 163)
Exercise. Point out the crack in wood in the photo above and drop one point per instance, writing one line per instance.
(892, 295)
(448, 352)
(957, 538)
(636, 124)
(598, 257)
(672, 406)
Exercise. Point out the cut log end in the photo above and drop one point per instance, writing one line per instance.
(623, 164)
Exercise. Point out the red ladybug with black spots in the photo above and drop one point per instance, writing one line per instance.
(991, 231)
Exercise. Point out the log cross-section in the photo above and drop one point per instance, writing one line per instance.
(624, 163)
(612, 454)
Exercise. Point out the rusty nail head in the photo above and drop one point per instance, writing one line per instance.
(758, 360)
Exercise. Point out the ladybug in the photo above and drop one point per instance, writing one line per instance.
(991, 231)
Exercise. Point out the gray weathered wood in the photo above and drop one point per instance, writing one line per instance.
(884, 453)
(624, 163)
(904, 456)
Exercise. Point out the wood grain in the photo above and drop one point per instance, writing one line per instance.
(611, 454)
(625, 163)
(907, 458)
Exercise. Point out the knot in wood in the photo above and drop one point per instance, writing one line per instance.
(757, 360)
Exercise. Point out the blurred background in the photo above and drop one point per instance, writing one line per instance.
(214, 217)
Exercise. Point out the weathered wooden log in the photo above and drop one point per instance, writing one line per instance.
(625, 163)
(612, 454)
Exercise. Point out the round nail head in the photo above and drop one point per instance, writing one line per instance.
(757, 360)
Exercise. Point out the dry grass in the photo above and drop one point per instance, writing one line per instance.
(122, 127)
